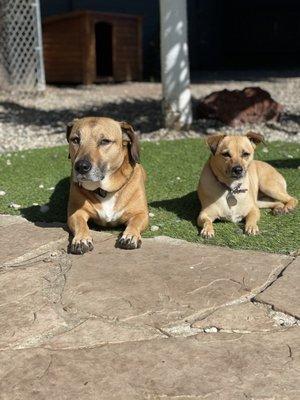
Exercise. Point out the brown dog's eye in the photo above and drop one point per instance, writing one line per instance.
(245, 154)
(226, 154)
(75, 140)
(104, 142)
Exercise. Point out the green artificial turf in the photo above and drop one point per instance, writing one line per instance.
(173, 171)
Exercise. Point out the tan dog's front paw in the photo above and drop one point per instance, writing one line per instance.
(81, 245)
(207, 232)
(251, 230)
(129, 242)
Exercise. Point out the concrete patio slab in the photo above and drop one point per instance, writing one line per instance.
(19, 236)
(220, 367)
(281, 295)
(171, 320)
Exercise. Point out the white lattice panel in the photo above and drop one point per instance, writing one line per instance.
(21, 45)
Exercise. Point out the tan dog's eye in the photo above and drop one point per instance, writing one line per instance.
(245, 154)
(226, 154)
(75, 140)
(104, 142)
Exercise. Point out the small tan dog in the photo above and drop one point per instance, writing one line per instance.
(107, 183)
(231, 184)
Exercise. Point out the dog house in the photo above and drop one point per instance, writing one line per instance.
(86, 47)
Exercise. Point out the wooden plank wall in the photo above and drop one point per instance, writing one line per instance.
(69, 48)
(63, 47)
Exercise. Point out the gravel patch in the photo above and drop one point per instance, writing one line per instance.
(39, 120)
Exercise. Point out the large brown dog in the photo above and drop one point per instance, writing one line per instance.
(233, 186)
(107, 183)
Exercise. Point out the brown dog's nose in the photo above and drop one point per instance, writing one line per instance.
(83, 166)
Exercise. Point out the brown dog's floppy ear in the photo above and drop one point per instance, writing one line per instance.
(69, 129)
(130, 137)
(213, 142)
(255, 138)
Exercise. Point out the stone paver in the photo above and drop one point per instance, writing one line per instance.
(244, 318)
(21, 237)
(171, 320)
(223, 367)
(281, 295)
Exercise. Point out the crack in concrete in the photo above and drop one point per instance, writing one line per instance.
(278, 276)
(47, 369)
(32, 257)
(290, 351)
(84, 347)
(184, 327)
(56, 279)
(210, 284)
(37, 341)
(182, 396)
(287, 318)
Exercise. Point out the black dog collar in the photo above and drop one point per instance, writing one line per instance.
(100, 192)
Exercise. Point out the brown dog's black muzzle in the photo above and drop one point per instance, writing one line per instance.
(83, 166)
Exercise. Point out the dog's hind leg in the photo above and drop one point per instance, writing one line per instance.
(283, 202)
(273, 184)
(269, 204)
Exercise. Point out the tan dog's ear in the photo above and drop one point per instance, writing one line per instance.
(129, 136)
(213, 142)
(255, 138)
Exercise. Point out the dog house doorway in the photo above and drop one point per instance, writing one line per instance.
(104, 50)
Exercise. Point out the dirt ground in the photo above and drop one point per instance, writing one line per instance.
(39, 120)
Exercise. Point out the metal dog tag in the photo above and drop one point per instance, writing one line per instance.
(231, 200)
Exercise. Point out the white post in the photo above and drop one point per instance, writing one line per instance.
(41, 83)
(175, 74)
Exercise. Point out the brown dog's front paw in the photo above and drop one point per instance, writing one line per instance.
(251, 230)
(129, 242)
(207, 232)
(81, 246)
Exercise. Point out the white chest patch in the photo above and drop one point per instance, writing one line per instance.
(107, 212)
(233, 216)
(236, 213)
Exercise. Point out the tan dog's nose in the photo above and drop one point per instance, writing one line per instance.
(237, 171)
